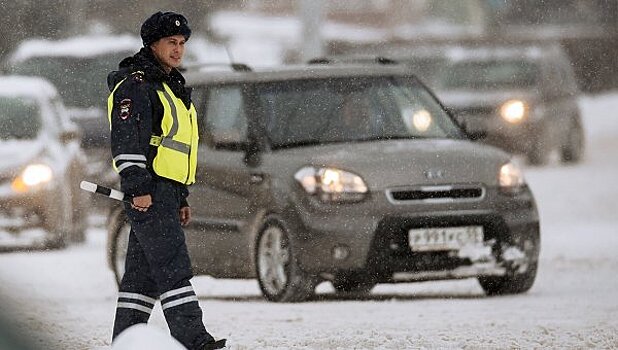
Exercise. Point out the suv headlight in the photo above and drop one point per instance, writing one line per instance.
(514, 111)
(511, 178)
(33, 175)
(331, 185)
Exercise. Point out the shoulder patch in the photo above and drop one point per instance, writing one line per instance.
(125, 108)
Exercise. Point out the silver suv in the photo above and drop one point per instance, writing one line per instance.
(351, 174)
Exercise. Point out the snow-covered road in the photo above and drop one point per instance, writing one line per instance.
(65, 299)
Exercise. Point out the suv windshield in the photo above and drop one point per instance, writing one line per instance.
(490, 75)
(19, 118)
(351, 109)
(81, 81)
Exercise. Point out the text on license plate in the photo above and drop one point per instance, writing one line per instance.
(444, 238)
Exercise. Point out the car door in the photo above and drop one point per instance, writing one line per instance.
(221, 196)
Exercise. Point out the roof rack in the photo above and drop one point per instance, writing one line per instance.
(385, 60)
(352, 59)
(241, 67)
(320, 60)
(236, 67)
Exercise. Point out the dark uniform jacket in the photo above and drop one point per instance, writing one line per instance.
(137, 113)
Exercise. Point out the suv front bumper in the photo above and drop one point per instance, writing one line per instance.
(372, 235)
(21, 211)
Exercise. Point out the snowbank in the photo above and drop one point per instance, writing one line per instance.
(144, 337)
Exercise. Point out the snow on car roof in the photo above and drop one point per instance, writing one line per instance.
(15, 85)
(79, 46)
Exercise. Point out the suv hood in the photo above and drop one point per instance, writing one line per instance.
(17, 153)
(455, 99)
(384, 164)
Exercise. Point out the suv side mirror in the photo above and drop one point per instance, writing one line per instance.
(476, 135)
(252, 154)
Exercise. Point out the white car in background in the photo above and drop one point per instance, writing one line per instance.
(41, 162)
(78, 67)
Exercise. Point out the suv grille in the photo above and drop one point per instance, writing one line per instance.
(436, 193)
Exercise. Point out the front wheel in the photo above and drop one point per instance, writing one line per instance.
(540, 150)
(572, 150)
(519, 277)
(120, 228)
(279, 274)
(57, 218)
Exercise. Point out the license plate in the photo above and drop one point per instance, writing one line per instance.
(444, 238)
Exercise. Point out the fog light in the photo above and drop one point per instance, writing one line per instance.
(341, 252)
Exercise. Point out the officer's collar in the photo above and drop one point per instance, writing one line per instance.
(145, 60)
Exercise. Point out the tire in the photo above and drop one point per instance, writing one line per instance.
(57, 219)
(539, 154)
(80, 218)
(120, 229)
(353, 283)
(516, 281)
(278, 272)
(573, 149)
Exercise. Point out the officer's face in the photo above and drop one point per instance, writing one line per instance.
(169, 51)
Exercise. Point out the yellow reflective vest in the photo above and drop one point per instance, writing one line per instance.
(176, 157)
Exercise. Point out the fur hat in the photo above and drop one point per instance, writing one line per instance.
(164, 24)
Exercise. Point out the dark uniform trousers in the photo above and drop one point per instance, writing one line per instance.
(158, 267)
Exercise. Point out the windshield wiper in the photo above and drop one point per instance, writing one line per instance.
(388, 137)
(303, 143)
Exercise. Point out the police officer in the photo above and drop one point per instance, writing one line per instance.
(154, 148)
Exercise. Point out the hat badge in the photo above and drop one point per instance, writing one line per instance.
(177, 23)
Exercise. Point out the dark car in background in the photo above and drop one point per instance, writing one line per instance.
(523, 98)
(41, 162)
(78, 67)
(352, 174)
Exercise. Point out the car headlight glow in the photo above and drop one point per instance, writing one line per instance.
(421, 120)
(33, 175)
(511, 178)
(514, 111)
(331, 185)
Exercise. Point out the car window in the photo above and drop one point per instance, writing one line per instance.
(350, 109)
(20, 118)
(490, 74)
(427, 69)
(226, 119)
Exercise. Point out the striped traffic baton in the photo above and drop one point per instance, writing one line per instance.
(105, 191)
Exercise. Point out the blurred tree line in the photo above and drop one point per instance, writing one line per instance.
(20, 19)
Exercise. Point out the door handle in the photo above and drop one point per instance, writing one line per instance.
(256, 178)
